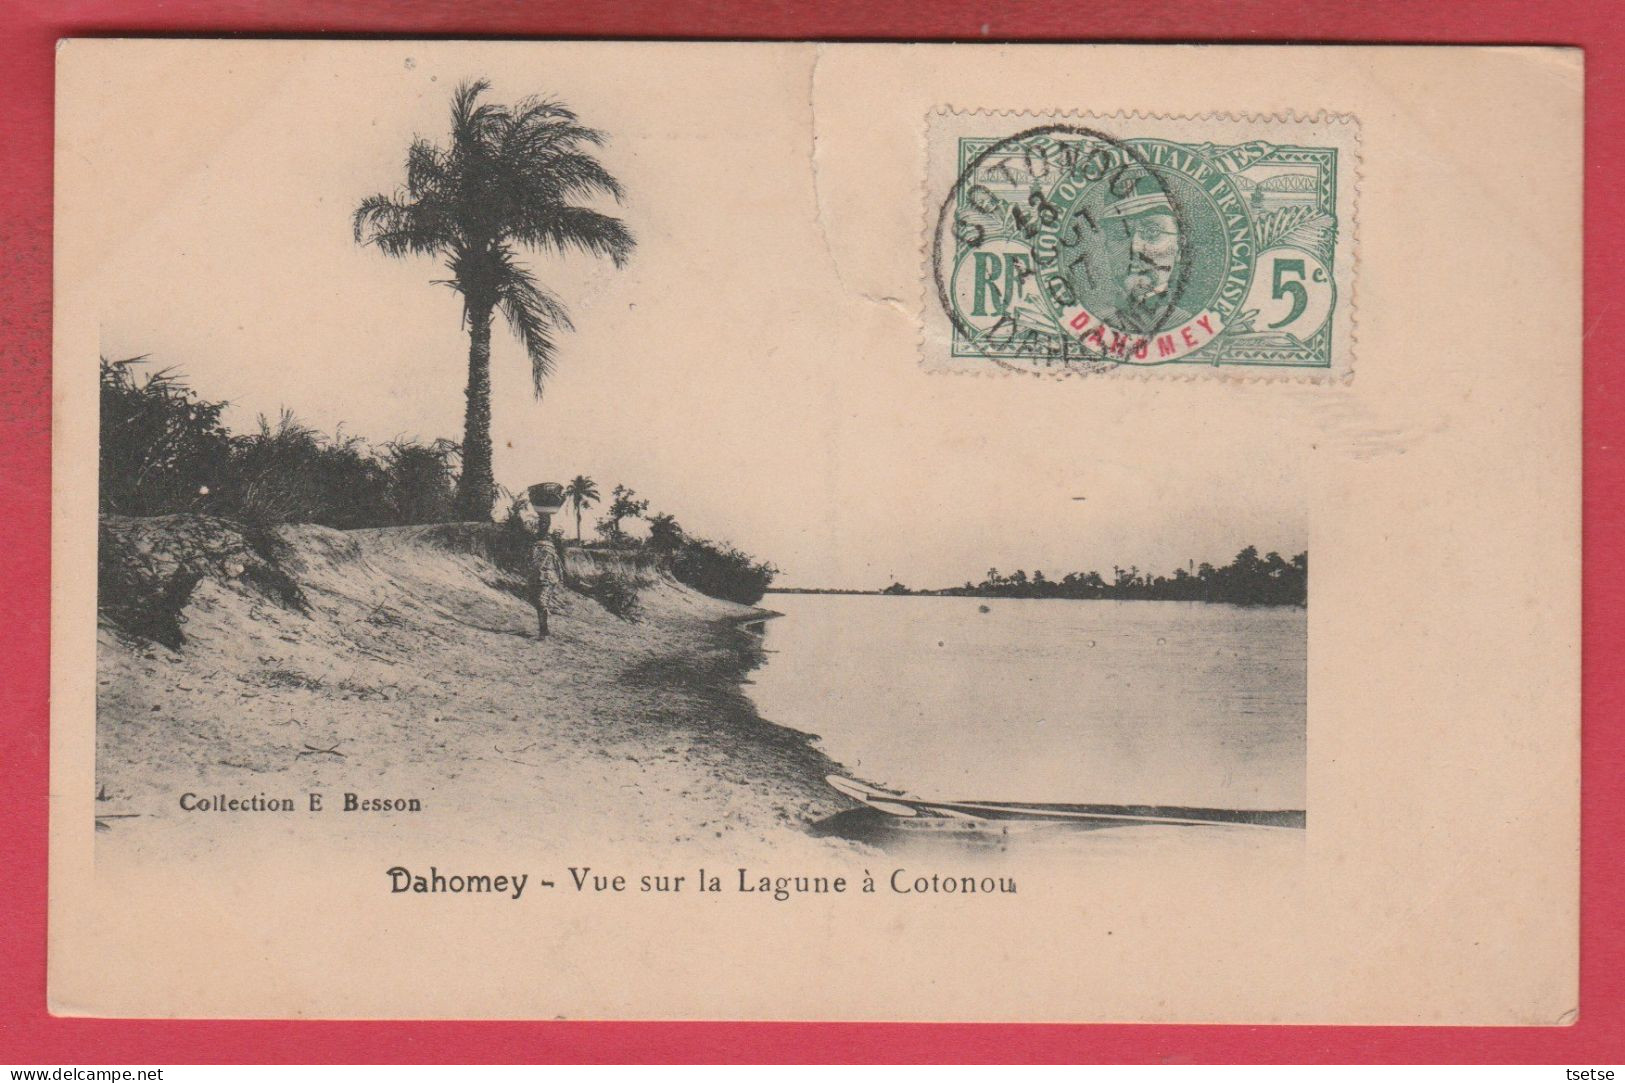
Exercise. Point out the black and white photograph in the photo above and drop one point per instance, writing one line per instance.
(323, 585)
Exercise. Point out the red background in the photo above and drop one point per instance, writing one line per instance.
(28, 1035)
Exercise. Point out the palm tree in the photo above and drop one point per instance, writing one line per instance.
(506, 182)
(581, 492)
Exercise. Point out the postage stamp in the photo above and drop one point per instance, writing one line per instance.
(1068, 243)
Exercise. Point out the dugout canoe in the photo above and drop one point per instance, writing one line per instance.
(907, 806)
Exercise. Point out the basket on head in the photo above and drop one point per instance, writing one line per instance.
(547, 497)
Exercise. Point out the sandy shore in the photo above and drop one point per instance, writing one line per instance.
(406, 668)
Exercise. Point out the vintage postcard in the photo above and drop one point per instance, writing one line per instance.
(604, 530)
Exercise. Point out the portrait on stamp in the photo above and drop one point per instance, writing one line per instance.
(1156, 246)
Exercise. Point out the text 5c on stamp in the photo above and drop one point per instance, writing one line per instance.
(1068, 242)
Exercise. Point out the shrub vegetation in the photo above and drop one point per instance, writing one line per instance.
(722, 571)
(164, 450)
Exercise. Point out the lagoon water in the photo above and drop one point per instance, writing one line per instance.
(1046, 700)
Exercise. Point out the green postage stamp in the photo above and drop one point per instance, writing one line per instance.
(1069, 242)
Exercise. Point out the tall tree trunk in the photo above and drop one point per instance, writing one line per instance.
(476, 486)
(578, 524)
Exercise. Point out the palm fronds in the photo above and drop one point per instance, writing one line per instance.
(532, 313)
(507, 180)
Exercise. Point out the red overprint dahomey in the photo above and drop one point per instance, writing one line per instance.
(1135, 348)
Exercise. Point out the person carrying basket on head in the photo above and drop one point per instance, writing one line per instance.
(546, 568)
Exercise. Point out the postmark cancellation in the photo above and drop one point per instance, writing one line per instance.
(1064, 243)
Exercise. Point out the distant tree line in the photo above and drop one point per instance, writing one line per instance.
(1249, 579)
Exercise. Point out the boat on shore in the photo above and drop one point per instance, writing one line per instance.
(916, 810)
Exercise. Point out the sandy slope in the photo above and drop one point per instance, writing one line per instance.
(414, 672)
